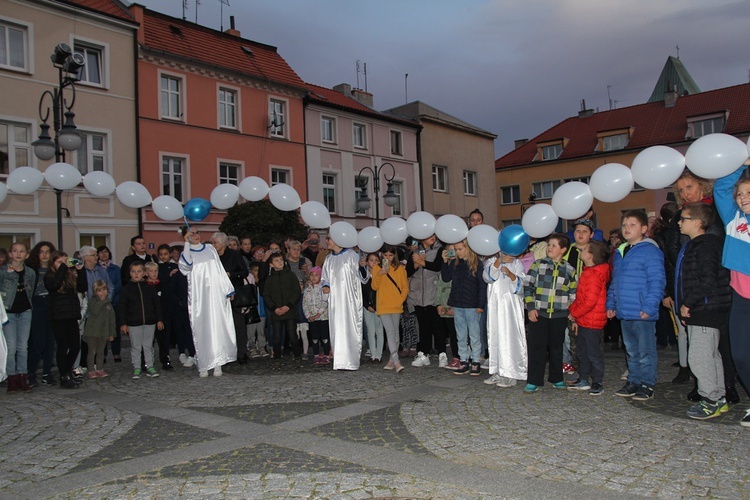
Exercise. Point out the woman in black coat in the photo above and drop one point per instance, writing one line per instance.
(64, 283)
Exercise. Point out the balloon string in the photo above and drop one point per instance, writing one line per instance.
(187, 224)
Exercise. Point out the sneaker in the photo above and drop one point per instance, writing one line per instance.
(476, 370)
(643, 393)
(183, 358)
(625, 375)
(399, 367)
(443, 360)
(420, 360)
(704, 410)
(167, 366)
(151, 372)
(218, 372)
(745, 422)
(580, 385)
(596, 389)
(203, 374)
(485, 363)
(368, 353)
(190, 362)
(506, 382)
(136, 374)
(67, 383)
(530, 389)
(102, 374)
(388, 365)
(48, 380)
(568, 368)
(463, 369)
(80, 371)
(493, 380)
(560, 385)
(628, 390)
(255, 353)
(723, 406)
(31, 381)
(454, 365)
(93, 375)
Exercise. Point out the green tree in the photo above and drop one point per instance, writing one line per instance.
(262, 222)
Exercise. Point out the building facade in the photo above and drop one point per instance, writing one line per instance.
(103, 33)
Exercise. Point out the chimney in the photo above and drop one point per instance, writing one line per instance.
(670, 97)
(344, 88)
(231, 30)
(519, 142)
(363, 97)
(583, 113)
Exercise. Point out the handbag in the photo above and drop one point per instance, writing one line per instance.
(245, 295)
(252, 316)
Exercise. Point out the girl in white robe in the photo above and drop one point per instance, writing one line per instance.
(506, 335)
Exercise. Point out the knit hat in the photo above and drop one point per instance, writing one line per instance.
(317, 270)
(584, 222)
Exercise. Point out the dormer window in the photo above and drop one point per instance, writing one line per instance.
(613, 140)
(549, 150)
(698, 126)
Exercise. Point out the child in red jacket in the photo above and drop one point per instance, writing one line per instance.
(588, 312)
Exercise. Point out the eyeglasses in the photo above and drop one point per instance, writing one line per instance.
(686, 218)
(313, 242)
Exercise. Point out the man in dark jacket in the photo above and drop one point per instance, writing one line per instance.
(237, 271)
(137, 254)
(703, 299)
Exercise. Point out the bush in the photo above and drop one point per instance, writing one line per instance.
(263, 222)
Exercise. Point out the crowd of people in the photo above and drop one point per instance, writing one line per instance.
(683, 277)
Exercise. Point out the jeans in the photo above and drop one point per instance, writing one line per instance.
(468, 331)
(42, 338)
(590, 357)
(640, 342)
(16, 333)
(374, 327)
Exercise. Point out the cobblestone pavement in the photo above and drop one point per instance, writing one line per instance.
(293, 430)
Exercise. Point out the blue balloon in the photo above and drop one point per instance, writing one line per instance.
(513, 240)
(197, 209)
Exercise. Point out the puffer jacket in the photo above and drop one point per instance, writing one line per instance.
(63, 299)
(467, 291)
(638, 281)
(590, 306)
(701, 283)
(9, 283)
(423, 280)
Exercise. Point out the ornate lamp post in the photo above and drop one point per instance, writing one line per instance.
(66, 137)
(390, 197)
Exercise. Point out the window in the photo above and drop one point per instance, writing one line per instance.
(701, 127)
(6, 240)
(13, 46)
(329, 192)
(545, 190)
(359, 183)
(172, 177)
(396, 146)
(551, 151)
(510, 222)
(171, 97)
(15, 147)
(279, 176)
(328, 129)
(227, 108)
(614, 142)
(510, 195)
(91, 72)
(439, 178)
(360, 135)
(229, 173)
(398, 207)
(276, 119)
(585, 179)
(92, 155)
(637, 187)
(470, 183)
(94, 240)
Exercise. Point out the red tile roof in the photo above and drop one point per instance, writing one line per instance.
(112, 8)
(334, 98)
(190, 41)
(653, 124)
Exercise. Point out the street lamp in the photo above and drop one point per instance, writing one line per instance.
(390, 197)
(68, 64)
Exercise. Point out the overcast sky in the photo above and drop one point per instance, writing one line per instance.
(512, 67)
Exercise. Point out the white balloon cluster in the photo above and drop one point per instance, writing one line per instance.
(711, 156)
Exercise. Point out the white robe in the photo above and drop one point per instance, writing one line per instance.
(506, 335)
(341, 274)
(210, 310)
(3, 345)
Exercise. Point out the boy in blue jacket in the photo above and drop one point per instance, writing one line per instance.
(636, 290)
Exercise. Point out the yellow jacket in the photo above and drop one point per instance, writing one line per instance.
(389, 300)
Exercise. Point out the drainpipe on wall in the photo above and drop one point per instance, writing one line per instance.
(137, 128)
(421, 173)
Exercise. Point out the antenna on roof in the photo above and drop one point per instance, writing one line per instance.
(365, 72)
(197, 3)
(406, 88)
(612, 102)
(221, 13)
(184, 9)
(678, 50)
(357, 66)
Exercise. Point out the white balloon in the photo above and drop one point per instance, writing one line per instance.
(225, 196)
(133, 194)
(369, 239)
(62, 176)
(253, 188)
(421, 225)
(99, 183)
(539, 220)
(393, 230)
(342, 233)
(657, 167)
(284, 197)
(24, 180)
(611, 182)
(572, 200)
(315, 214)
(167, 208)
(483, 239)
(451, 229)
(3, 191)
(716, 155)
